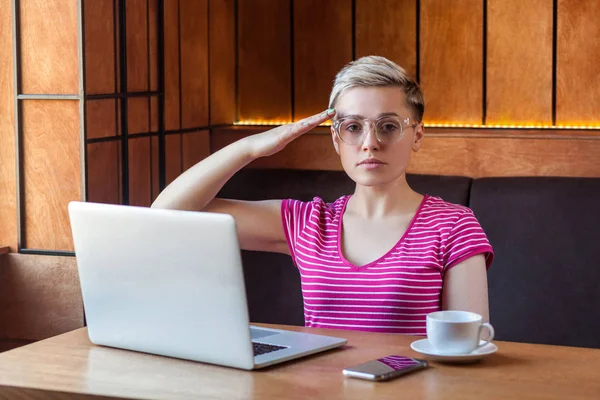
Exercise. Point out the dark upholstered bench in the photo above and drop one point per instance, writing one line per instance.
(544, 283)
(545, 233)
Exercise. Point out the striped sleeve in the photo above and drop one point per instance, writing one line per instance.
(294, 214)
(465, 240)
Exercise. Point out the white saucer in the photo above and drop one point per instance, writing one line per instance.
(424, 347)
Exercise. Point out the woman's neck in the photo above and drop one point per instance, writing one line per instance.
(375, 202)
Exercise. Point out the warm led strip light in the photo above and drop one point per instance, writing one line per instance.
(470, 126)
(508, 126)
(259, 122)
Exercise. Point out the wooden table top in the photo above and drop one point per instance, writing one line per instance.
(71, 363)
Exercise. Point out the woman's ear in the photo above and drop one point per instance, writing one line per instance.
(336, 143)
(418, 137)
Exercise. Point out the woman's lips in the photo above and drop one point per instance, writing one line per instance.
(370, 163)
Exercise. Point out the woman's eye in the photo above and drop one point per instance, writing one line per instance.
(388, 127)
(353, 127)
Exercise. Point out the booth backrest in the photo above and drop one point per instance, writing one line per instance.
(543, 284)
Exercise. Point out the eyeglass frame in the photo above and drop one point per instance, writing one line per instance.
(404, 121)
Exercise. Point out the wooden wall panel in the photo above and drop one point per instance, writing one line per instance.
(137, 46)
(172, 157)
(51, 171)
(101, 118)
(389, 29)
(311, 151)
(194, 63)
(196, 147)
(153, 43)
(519, 62)
(154, 167)
(117, 12)
(49, 47)
(322, 46)
(140, 182)
(171, 65)
(138, 117)
(154, 114)
(479, 157)
(578, 74)
(8, 190)
(40, 296)
(221, 16)
(264, 64)
(462, 154)
(104, 172)
(99, 46)
(452, 60)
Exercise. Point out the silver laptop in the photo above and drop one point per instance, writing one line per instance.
(171, 283)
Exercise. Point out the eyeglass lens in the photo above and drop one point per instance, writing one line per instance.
(387, 130)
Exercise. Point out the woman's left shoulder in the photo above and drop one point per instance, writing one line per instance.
(434, 204)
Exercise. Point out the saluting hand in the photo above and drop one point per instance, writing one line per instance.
(274, 140)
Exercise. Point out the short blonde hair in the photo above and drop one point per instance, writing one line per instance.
(378, 71)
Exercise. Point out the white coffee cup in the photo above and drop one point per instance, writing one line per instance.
(456, 332)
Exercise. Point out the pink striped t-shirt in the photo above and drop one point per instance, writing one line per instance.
(393, 293)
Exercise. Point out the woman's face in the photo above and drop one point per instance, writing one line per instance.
(372, 163)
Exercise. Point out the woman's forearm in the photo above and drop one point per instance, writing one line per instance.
(197, 186)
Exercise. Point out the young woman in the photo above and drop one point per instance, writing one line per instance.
(379, 259)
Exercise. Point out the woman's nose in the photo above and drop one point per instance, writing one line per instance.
(370, 139)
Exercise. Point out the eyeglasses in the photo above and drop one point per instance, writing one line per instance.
(388, 129)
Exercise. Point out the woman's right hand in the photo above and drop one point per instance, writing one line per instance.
(274, 140)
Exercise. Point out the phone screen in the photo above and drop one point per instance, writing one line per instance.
(385, 368)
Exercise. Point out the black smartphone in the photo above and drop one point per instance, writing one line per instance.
(385, 368)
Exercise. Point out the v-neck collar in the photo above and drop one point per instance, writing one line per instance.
(339, 236)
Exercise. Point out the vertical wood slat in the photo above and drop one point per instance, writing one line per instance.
(98, 24)
(48, 34)
(137, 115)
(388, 30)
(222, 61)
(137, 46)
(104, 172)
(519, 62)
(100, 118)
(578, 74)
(172, 157)
(153, 63)
(154, 114)
(154, 167)
(52, 171)
(8, 188)
(264, 65)
(194, 63)
(117, 45)
(140, 182)
(322, 46)
(452, 60)
(137, 65)
(171, 65)
(153, 43)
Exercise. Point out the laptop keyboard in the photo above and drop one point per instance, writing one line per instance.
(263, 348)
